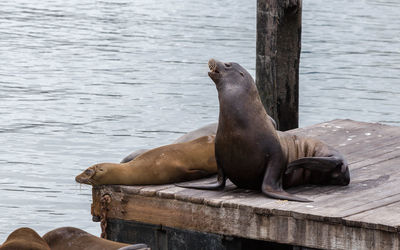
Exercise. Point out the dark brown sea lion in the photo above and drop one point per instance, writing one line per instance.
(76, 239)
(167, 164)
(24, 239)
(248, 149)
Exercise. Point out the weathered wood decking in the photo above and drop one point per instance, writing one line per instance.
(363, 215)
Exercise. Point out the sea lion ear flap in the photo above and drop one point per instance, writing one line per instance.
(135, 247)
(320, 164)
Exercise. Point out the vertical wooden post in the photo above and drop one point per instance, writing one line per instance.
(277, 61)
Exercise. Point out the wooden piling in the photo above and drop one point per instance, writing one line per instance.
(277, 60)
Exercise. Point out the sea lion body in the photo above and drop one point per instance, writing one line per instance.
(24, 239)
(209, 129)
(167, 164)
(76, 239)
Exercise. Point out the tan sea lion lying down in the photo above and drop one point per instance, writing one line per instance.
(64, 238)
(167, 164)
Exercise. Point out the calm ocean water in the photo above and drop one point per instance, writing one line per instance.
(83, 82)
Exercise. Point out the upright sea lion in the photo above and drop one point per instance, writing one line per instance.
(167, 164)
(248, 149)
(76, 239)
(24, 239)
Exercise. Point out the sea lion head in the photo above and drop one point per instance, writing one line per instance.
(230, 72)
(340, 175)
(97, 174)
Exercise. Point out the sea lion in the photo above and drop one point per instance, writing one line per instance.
(76, 239)
(24, 239)
(248, 149)
(167, 164)
(210, 129)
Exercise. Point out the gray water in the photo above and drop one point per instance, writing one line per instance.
(83, 82)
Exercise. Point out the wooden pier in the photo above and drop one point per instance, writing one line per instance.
(363, 215)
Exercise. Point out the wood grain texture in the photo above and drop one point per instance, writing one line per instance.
(363, 215)
(278, 48)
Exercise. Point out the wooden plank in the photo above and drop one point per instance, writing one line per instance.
(369, 189)
(379, 218)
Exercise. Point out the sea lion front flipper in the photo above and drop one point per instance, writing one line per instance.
(220, 184)
(272, 184)
(322, 164)
(136, 247)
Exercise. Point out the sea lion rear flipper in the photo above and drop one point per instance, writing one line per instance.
(272, 183)
(322, 164)
(220, 184)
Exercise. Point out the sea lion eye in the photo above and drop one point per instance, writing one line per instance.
(241, 73)
(228, 65)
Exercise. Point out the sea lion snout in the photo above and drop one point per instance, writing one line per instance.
(212, 65)
(84, 177)
(216, 66)
(217, 69)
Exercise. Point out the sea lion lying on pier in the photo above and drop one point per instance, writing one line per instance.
(24, 238)
(76, 239)
(167, 164)
(210, 129)
(252, 154)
